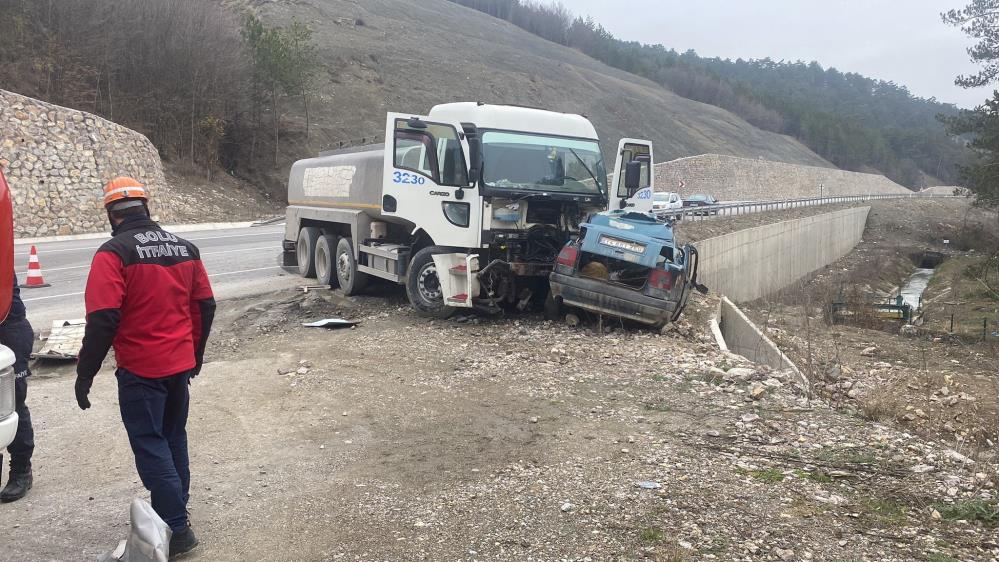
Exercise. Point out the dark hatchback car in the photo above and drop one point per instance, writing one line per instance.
(700, 200)
(626, 265)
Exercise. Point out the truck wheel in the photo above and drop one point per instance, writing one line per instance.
(351, 280)
(424, 287)
(306, 250)
(325, 260)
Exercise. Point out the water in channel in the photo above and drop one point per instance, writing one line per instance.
(912, 290)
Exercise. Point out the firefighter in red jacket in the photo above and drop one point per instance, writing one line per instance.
(148, 295)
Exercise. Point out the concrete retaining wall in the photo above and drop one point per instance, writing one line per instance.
(739, 335)
(753, 263)
(57, 160)
(729, 178)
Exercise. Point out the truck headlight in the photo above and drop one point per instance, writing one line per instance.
(457, 213)
(6, 392)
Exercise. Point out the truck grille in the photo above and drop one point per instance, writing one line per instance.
(6, 392)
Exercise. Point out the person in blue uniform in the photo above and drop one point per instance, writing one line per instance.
(16, 334)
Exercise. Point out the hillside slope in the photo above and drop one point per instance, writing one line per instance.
(407, 56)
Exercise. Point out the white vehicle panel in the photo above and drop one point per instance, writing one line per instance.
(419, 198)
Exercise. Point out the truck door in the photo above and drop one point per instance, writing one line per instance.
(638, 198)
(426, 180)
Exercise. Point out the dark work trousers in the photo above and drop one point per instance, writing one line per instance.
(154, 412)
(18, 336)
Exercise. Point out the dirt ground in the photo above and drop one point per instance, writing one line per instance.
(500, 439)
(939, 384)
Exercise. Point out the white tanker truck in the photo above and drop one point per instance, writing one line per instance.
(468, 207)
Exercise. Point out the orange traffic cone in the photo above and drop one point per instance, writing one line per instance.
(34, 279)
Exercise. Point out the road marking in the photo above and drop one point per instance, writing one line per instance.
(245, 271)
(212, 275)
(50, 269)
(51, 297)
(42, 249)
(235, 235)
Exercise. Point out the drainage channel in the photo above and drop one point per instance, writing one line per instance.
(735, 332)
(914, 287)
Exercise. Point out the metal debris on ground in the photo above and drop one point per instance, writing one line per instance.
(307, 288)
(331, 323)
(64, 341)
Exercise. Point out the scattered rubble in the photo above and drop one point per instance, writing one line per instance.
(518, 439)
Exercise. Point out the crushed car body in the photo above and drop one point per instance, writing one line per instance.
(626, 264)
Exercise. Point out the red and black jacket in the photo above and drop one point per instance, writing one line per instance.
(148, 294)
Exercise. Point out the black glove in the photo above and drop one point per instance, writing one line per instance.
(82, 390)
(195, 371)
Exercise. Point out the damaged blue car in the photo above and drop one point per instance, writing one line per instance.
(627, 265)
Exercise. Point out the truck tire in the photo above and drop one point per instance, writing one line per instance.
(325, 260)
(423, 286)
(306, 251)
(350, 279)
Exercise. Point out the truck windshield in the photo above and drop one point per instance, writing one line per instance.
(525, 161)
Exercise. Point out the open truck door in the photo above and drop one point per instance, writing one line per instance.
(429, 182)
(6, 248)
(633, 181)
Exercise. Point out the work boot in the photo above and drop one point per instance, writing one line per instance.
(18, 484)
(182, 542)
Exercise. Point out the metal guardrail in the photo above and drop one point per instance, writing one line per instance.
(747, 207)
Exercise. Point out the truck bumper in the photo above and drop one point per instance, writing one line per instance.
(604, 298)
(8, 428)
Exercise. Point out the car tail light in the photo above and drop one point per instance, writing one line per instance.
(568, 256)
(566, 261)
(661, 279)
(659, 284)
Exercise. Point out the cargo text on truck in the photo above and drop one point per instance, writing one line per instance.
(468, 207)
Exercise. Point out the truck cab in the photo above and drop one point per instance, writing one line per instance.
(8, 417)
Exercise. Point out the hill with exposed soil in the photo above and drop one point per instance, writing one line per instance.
(397, 55)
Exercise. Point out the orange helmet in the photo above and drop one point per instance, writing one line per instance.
(122, 188)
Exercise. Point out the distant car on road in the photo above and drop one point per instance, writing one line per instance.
(700, 200)
(667, 203)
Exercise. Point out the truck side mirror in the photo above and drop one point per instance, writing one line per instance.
(474, 153)
(474, 160)
(632, 175)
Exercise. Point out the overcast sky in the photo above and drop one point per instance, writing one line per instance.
(899, 40)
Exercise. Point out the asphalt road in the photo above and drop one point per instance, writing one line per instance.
(239, 261)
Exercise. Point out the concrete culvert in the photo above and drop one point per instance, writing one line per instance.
(927, 259)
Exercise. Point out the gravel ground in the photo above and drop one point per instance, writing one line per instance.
(500, 439)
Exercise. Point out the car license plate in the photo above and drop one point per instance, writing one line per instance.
(622, 244)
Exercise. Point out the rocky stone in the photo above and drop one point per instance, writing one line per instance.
(749, 179)
(741, 373)
(869, 351)
(46, 148)
(757, 391)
